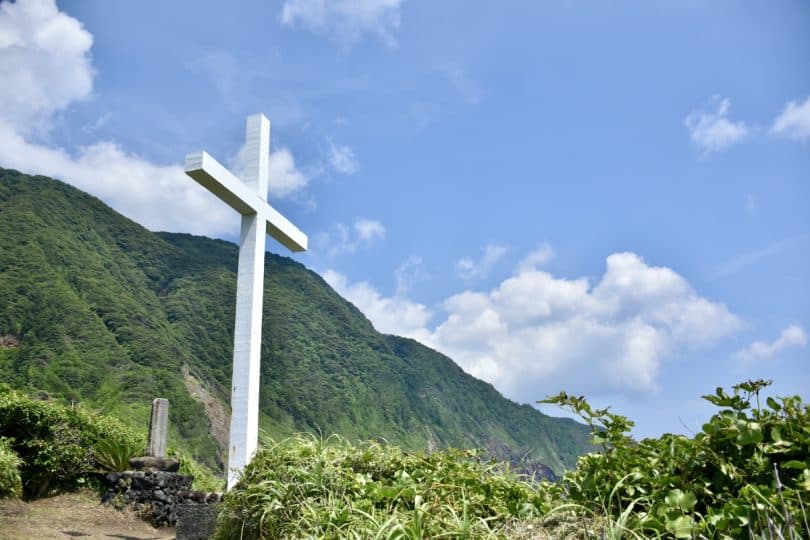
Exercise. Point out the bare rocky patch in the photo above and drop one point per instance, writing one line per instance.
(9, 342)
(218, 415)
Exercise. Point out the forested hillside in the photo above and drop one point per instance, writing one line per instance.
(96, 309)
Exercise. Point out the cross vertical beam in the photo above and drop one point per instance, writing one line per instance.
(247, 197)
(247, 334)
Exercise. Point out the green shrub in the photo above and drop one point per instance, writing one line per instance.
(56, 443)
(10, 483)
(746, 473)
(204, 479)
(305, 487)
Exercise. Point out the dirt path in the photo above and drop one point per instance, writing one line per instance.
(73, 515)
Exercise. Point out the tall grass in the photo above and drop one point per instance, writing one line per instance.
(745, 475)
(308, 487)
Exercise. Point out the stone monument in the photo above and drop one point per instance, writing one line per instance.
(158, 428)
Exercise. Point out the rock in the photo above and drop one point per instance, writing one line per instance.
(155, 463)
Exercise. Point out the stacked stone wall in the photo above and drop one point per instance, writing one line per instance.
(154, 495)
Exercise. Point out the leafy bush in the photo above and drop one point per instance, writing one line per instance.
(746, 473)
(204, 479)
(10, 483)
(56, 443)
(306, 487)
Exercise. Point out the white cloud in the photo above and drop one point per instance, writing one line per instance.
(342, 239)
(46, 66)
(342, 159)
(345, 21)
(710, 128)
(794, 121)
(45, 62)
(537, 258)
(394, 315)
(411, 271)
(793, 335)
(753, 258)
(369, 230)
(158, 197)
(467, 268)
(285, 178)
(536, 334)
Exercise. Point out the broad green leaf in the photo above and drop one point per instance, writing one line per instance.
(681, 527)
(750, 434)
(679, 499)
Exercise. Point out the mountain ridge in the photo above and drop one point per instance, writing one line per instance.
(111, 314)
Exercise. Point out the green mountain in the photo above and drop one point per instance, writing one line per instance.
(96, 309)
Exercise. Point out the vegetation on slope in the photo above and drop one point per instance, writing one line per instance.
(10, 481)
(47, 448)
(97, 310)
(745, 475)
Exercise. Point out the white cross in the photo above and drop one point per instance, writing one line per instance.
(249, 199)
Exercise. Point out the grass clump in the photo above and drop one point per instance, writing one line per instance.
(10, 481)
(307, 487)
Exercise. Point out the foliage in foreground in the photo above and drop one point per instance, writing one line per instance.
(59, 446)
(53, 448)
(10, 482)
(745, 474)
(306, 487)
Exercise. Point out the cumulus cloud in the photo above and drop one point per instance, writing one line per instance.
(158, 197)
(285, 179)
(536, 333)
(344, 239)
(794, 121)
(467, 268)
(46, 65)
(711, 130)
(45, 62)
(345, 21)
(792, 336)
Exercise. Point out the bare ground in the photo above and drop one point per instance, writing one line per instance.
(73, 515)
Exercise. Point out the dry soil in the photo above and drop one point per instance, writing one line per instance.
(73, 516)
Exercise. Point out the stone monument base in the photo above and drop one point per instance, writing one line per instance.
(154, 495)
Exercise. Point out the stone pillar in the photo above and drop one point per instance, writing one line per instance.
(158, 428)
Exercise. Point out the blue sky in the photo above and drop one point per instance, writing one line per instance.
(605, 198)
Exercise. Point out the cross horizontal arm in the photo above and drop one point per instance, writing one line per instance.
(208, 172)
